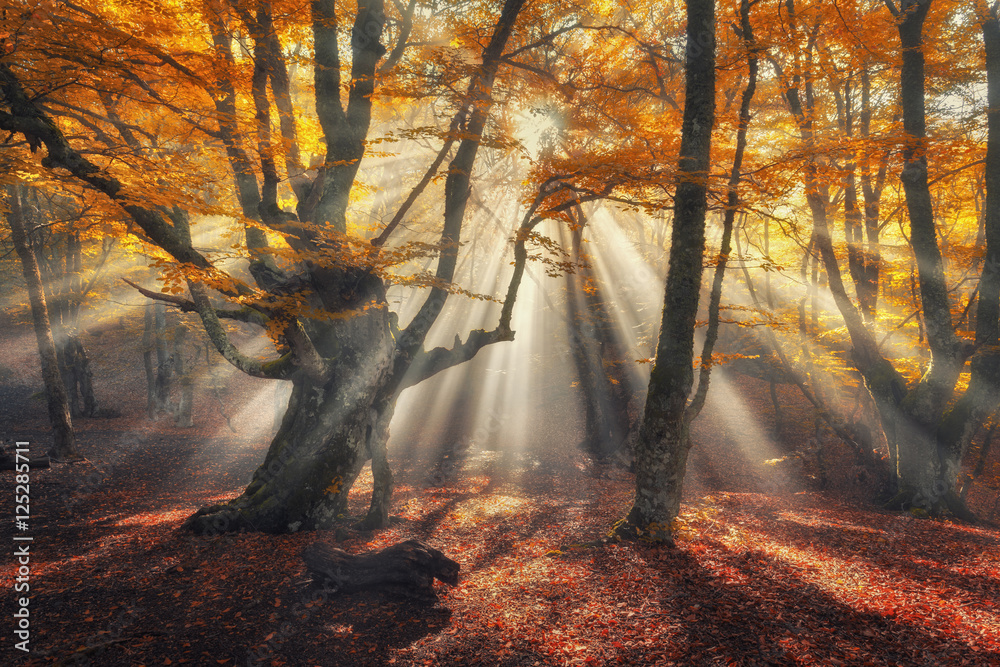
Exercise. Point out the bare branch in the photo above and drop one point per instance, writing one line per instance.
(278, 369)
(404, 34)
(245, 314)
(428, 175)
(427, 364)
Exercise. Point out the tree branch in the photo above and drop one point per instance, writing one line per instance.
(279, 369)
(428, 175)
(245, 314)
(427, 364)
(38, 129)
(457, 185)
(404, 34)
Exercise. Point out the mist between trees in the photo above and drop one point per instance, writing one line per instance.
(497, 215)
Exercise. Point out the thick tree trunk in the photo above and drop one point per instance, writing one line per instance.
(348, 364)
(923, 474)
(64, 442)
(663, 444)
(962, 420)
(328, 433)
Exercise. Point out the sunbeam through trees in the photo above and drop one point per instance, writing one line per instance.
(500, 332)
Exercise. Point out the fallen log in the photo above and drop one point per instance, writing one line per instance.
(410, 566)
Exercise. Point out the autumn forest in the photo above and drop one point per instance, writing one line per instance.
(500, 332)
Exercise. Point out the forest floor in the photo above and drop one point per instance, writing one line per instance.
(768, 571)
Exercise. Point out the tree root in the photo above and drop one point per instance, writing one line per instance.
(907, 500)
(652, 533)
(215, 519)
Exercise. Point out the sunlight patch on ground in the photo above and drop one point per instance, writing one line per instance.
(813, 521)
(870, 589)
(476, 510)
(225, 497)
(155, 518)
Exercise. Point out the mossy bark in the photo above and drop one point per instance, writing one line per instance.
(329, 431)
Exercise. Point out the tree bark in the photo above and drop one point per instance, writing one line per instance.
(871, 189)
(158, 364)
(923, 475)
(60, 263)
(960, 422)
(64, 441)
(663, 444)
(853, 218)
(147, 361)
(185, 404)
(349, 363)
(329, 431)
(729, 217)
(603, 387)
(164, 361)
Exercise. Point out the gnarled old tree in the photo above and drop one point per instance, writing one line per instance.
(322, 298)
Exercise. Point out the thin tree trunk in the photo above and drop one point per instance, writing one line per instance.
(768, 295)
(732, 205)
(663, 443)
(980, 467)
(147, 361)
(164, 361)
(872, 192)
(186, 376)
(64, 441)
(595, 351)
(853, 219)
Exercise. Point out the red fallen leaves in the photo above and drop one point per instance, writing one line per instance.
(765, 579)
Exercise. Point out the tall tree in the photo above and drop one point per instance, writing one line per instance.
(64, 440)
(927, 432)
(323, 297)
(663, 444)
